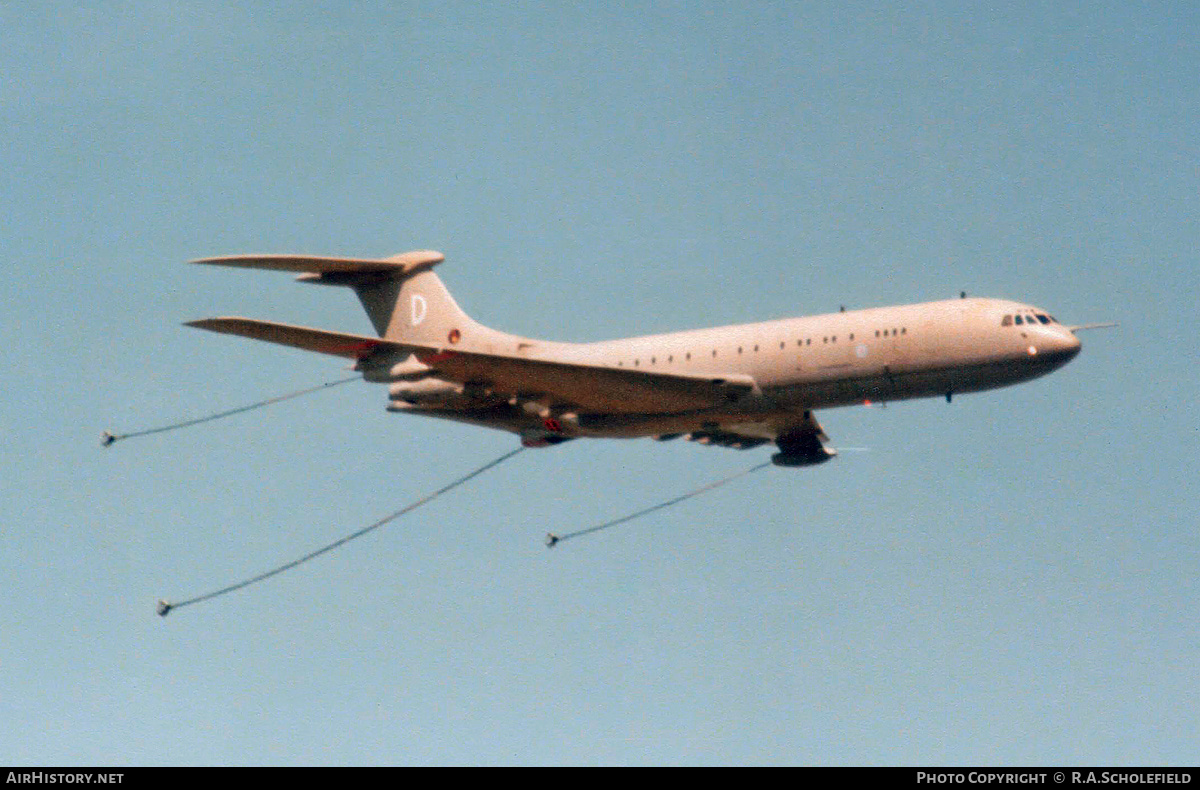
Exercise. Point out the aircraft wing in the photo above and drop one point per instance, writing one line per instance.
(582, 386)
(588, 387)
(338, 344)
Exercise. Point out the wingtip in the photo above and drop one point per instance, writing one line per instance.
(208, 323)
(218, 260)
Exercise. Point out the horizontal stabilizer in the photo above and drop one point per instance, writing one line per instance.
(338, 344)
(316, 266)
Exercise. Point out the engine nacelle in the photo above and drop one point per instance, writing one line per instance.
(425, 391)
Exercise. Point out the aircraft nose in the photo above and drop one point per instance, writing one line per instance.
(1062, 348)
(1071, 344)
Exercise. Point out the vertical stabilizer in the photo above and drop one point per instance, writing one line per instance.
(415, 308)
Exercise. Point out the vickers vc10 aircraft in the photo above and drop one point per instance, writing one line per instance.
(734, 386)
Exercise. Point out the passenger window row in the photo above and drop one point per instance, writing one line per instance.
(800, 343)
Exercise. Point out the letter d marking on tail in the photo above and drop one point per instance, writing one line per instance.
(419, 308)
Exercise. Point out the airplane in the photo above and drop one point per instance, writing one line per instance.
(739, 386)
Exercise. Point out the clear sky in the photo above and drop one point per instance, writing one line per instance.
(1008, 579)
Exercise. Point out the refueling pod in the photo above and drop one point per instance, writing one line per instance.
(410, 369)
(428, 390)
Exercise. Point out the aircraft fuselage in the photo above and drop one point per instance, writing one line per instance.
(840, 359)
(737, 386)
(932, 349)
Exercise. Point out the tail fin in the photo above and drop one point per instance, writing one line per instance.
(403, 298)
(415, 308)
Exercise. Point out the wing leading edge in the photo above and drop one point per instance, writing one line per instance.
(584, 386)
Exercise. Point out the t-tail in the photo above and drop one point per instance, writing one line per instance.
(405, 300)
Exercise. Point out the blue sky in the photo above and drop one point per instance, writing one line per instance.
(1007, 579)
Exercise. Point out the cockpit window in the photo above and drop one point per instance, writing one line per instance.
(1043, 319)
(1020, 321)
(1007, 321)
